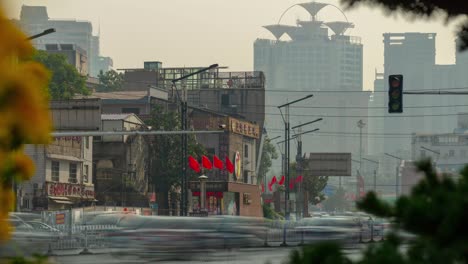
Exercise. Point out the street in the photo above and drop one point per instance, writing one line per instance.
(271, 255)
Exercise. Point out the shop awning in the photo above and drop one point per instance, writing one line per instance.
(63, 157)
(62, 200)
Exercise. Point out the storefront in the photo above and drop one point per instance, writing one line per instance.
(66, 195)
(227, 198)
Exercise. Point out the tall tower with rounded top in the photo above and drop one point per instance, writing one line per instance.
(317, 56)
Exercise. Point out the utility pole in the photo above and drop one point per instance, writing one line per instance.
(397, 178)
(375, 173)
(287, 152)
(184, 147)
(360, 124)
(299, 194)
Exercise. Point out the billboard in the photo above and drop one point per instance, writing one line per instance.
(328, 164)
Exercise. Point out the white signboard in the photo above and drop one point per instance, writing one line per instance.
(328, 164)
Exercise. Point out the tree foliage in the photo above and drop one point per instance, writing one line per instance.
(425, 8)
(110, 81)
(268, 154)
(66, 81)
(313, 185)
(24, 115)
(166, 150)
(435, 212)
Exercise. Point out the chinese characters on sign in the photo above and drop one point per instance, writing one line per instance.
(244, 128)
(70, 190)
(72, 138)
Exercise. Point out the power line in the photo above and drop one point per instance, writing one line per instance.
(370, 116)
(359, 91)
(353, 134)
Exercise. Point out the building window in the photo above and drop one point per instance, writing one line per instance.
(451, 153)
(463, 153)
(85, 175)
(246, 151)
(55, 170)
(72, 173)
(87, 142)
(25, 203)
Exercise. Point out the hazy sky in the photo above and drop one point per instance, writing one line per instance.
(203, 32)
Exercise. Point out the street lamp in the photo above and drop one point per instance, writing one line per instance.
(360, 125)
(435, 152)
(184, 157)
(45, 32)
(397, 180)
(14, 184)
(271, 139)
(375, 173)
(286, 149)
(202, 179)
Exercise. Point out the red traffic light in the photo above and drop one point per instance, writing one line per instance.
(395, 93)
(395, 82)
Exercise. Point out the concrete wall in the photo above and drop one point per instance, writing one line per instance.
(80, 114)
(254, 208)
(66, 146)
(112, 125)
(27, 189)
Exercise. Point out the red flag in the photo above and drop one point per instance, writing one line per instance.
(153, 197)
(273, 180)
(217, 162)
(362, 191)
(281, 182)
(270, 187)
(194, 165)
(263, 188)
(291, 184)
(229, 165)
(206, 162)
(299, 178)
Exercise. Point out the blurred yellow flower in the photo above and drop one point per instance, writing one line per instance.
(23, 166)
(24, 113)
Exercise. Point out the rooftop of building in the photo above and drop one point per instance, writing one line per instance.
(121, 95)
(121, 117)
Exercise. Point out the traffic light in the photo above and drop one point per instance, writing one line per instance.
(395, 93)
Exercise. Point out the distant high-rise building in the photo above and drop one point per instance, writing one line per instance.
(327, 64)
(413, 56)
(34, 20)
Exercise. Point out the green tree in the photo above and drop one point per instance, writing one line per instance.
(110, 81)
(268, 154)
(312, 186)
(425, 8)
(65, 81)
(337, 202)
(166, 151)
(435, 212)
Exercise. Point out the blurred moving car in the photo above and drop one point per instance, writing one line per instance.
(42, 227)
(341, 229)
(149, 235)
(25, 239)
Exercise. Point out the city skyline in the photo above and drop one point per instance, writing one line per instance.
(225, 38)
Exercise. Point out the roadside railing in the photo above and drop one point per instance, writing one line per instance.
(298, 235)
(82, 237)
